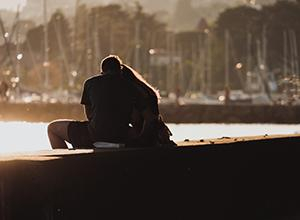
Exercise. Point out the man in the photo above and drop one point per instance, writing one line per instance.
(108, 100)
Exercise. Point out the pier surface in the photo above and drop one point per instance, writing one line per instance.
(226, 178)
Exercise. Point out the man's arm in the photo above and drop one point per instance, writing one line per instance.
(85, 101)
(88, 112)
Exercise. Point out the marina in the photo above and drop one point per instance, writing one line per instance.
(185, 66)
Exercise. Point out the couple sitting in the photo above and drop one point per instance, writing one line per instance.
(120, 106)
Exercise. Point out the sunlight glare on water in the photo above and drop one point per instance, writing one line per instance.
(24, 137)
(206, 131)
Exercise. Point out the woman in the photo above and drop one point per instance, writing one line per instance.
(148, 128)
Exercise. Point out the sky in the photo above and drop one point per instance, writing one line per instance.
(11, 4)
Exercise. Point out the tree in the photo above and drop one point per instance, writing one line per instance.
(239, 21)
(278, 18)
(96, 32)
(59, 32)
(273, 20)
(59, 50)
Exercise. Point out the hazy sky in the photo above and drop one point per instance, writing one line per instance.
(11, 4)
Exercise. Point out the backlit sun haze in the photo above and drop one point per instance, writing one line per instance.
(11, 4)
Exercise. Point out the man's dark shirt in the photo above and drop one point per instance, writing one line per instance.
(110, 99)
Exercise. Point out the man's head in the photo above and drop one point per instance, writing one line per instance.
(111, 64)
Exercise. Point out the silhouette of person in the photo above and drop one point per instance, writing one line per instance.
(108, 100)
(148, 128)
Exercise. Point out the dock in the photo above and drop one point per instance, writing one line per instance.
(225, 178)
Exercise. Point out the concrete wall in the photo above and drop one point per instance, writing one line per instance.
(171, 113)
(246, 180)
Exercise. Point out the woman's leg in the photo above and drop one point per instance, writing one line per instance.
(58, 134)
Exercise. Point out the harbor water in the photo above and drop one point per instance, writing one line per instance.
(19, 137)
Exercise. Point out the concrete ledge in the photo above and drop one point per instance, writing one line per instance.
(247, 178)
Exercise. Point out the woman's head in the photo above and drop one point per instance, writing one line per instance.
(136, 78)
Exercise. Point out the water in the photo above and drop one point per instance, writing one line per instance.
(24, 137)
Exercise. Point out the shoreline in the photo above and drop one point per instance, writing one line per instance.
(171, 113)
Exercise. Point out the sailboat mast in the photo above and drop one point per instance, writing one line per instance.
(290, 34)
(285, 52)
(46, 46)
(260, 63)
(296, 53)
(264, 48)
(57, 29)
(209, 63)
(171, 52)
(6, 42)
(96, 41)
(33, 59)
(202, 65)
(226, 58)
(249, 62)
(74, 41)
(19, 56)
(296, 62)
(137, 45)
(112, 39)
(194, 78)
